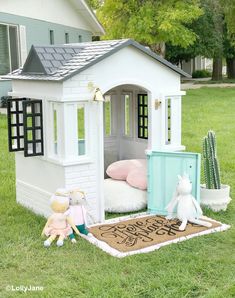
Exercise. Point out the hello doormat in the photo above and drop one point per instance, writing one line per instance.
(138, 234)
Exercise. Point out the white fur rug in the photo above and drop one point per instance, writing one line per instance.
(120, 197)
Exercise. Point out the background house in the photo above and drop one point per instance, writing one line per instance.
(197, 63)
(27, 22)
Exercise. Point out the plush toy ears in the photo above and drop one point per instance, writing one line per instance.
(78, 190)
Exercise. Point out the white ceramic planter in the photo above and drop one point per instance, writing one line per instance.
(215, 199)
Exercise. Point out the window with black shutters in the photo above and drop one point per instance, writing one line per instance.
(142, 116)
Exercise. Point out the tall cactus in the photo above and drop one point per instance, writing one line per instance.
(211, 164)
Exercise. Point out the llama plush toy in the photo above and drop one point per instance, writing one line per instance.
(188, 208)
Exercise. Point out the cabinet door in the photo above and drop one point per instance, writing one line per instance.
(163, 169)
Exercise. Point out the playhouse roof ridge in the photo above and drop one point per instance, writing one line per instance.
(81, 44)
(60, 62)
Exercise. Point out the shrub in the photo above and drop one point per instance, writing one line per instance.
(203, 73)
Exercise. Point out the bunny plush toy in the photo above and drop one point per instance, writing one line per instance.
(77, 212)
(187, 207)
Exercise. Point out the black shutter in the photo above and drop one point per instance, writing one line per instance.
(142, 116)
(33, 128)
(15, 124)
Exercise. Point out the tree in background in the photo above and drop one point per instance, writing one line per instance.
(229, 36)
(190, 28)
(229, 54)
(95, 4)
(208, 41)
(209, 29)
(150, 22)
(219, 30)
(229, 11)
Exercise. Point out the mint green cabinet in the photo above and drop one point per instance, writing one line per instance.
(163, 169)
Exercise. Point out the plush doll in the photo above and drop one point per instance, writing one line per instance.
(188, 208)
(58, 224)
(78, 213)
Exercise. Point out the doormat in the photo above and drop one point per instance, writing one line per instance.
(122, 237)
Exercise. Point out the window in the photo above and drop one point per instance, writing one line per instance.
(108, 115)
(168, 121)
(79, 38)
(9, 48)
(55, 130)
(66, 37)
(142, 116)
(52, 39)
(127, 115)
(81, 130)
(25, 126)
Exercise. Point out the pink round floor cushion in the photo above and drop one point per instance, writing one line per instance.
(138, 178)
(133, 171)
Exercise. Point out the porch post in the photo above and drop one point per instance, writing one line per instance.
(98, 149)
(156, 126)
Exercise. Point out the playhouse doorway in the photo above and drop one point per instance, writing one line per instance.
(126, 115)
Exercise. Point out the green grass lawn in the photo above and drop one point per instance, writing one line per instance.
(200, 267)
(223, 81)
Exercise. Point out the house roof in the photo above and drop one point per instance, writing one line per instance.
(87, 12)
(71, 13)
(60, 62)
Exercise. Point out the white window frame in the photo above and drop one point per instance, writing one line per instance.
(54, 154)
(18, 43)
(86, 130)
(113, 114)
(131, 114)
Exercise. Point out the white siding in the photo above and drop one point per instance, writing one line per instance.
(39, 90)
(36, 180)
(55, 11)
(84, 177)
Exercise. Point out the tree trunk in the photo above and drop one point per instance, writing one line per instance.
(159, 49)
(230, 68)
(217, 69)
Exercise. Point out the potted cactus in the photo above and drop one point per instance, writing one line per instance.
(213, 194)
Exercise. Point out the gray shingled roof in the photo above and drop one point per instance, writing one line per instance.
(60, 62)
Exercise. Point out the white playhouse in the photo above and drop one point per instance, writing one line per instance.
(65, 134)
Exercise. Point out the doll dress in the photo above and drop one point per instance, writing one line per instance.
(59, 226)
